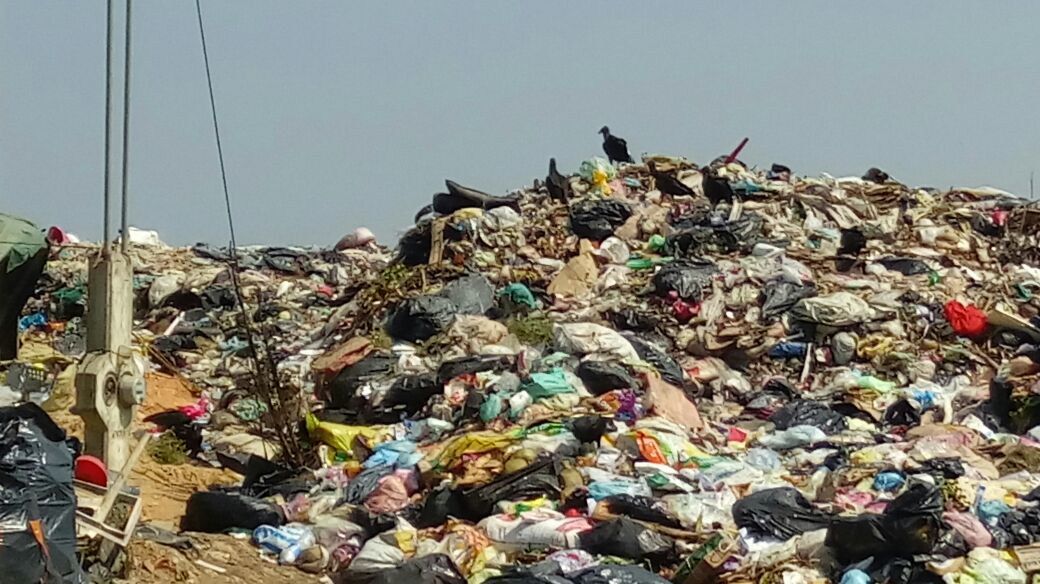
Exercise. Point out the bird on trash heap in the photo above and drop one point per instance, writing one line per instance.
(590, 429)
(668, 184)
(716, 188)
(615, 148)
(559, 186)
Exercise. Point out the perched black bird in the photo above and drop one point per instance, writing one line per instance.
(669, 184)
(876, 175)
(716, 188)
(558, 185)
(181, 425)
(590, 429)
(616, 148)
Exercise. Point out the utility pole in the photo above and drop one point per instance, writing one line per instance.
(110, 383)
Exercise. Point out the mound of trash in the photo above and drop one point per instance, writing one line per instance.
(651, 372)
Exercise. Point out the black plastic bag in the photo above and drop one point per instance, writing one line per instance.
(431, 569)
(703, 233)
(36, 485)
(342, 390)
(405, 398)
(902, 413)
(779, 296)
(471, 294)
(628, 539)
(665, 365)
(905, 266)
(539, 478)
(687, 278)
(640, 508)
(781, 513)
(597, 219)
(910, 526)
(422, 317)
(803, 412)
(600, 377)
(473, 364)
(944, 468)
(631, 320)
(439, 506)
(216, 512)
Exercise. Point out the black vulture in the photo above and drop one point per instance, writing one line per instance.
(559, 186)
(716, 188)
(668, 184)
(590, 429)
(615, 148)
(876, 175)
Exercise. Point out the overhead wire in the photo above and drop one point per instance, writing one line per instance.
(265, 373)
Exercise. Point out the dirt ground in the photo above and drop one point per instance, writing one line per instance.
(164, 493)
(224, 560)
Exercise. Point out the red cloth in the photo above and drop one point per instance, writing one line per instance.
(968, 320)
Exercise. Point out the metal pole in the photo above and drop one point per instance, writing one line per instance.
(124, 233)
(107, 229)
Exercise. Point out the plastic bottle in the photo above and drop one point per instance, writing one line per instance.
(273, 539)
(292, 553)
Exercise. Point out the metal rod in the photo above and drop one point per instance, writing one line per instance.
(124, 231)
(107, 229)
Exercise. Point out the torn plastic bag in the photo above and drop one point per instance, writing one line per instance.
(422, 317)
(781, 513)
(837, 309)
(36, 486)
(639, 508)
(665, 365)
(779, 296)
(431, 569)
(342, 390)
(596, 219)
(910, 526)
(537, 479)
(600, 377)
(688, 278)
(628, 539)
(803, 412)
(216, 512)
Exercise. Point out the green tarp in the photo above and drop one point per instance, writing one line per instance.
(19, 240)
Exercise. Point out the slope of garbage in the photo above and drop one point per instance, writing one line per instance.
(652, 372)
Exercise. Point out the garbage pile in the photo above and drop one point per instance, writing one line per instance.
(652, 372)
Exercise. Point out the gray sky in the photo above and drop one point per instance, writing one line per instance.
(340, 113)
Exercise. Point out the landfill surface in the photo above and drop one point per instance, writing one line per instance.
(638, 373)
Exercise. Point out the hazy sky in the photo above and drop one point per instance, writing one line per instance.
(343, 113)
